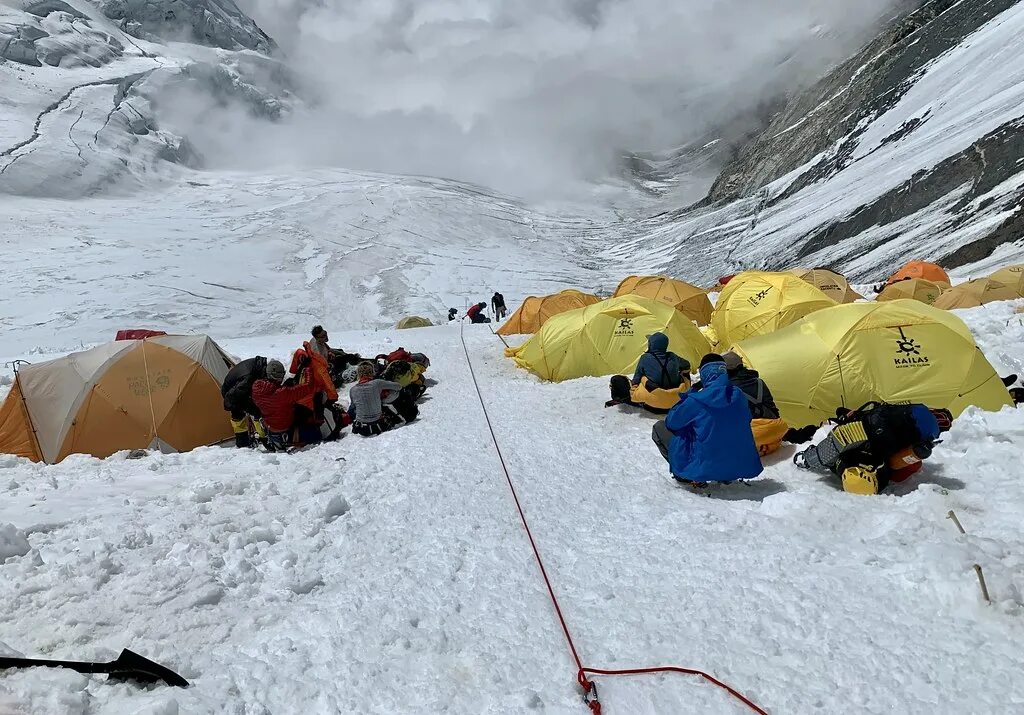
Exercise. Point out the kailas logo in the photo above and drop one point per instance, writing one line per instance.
(908, 351)
(624, 328)
(759, 296)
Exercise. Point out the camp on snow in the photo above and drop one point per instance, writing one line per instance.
(606, 338)
(832, 284)
(536, 310)
(413, 321)
(157, 393)
(688, 299)
(899, 351)
(920, 269)
(757, 303)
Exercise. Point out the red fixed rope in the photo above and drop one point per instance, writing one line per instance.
(588, 686)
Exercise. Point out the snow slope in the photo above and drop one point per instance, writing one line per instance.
(392, 574)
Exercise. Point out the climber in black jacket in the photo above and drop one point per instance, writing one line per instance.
(237, 394)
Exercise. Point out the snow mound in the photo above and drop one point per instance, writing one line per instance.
(12, 542)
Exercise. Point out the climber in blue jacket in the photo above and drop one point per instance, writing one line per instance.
(706, 437)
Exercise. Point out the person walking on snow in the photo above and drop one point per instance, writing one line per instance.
(475, 314)
(498, 306)
(706, 437)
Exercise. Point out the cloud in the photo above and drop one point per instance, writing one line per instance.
(524, 96)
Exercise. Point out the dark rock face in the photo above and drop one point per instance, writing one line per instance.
(865, 86)
(217, 23)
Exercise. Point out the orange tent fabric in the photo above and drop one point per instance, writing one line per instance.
(536, 310)
(920, 269)
(688, 299)
(157, 393)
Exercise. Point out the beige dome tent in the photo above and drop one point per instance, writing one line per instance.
(413, 321)
(832, 284)
(919, 289)
(158, 393)
(980, 291)
(688, 299)
(536, 310)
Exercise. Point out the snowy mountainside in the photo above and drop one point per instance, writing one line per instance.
(913, 147)
(235, 254)
(392, 575)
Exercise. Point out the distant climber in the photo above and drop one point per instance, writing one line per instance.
(876, 444)
(498, 306)
(706, 437)
(452, 312)
(237, 394)
(476, 315)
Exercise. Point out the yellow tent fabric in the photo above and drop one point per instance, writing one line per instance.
(757, 303)
(536, 310)
(710, 335)
(1012, 276)
(977, 292)
(688, 299)
(158, 393)
(896, 351)
(606, 338)
(413, 321)
(832, 284)
(914, 288)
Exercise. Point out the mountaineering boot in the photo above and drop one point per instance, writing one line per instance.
(860, 479)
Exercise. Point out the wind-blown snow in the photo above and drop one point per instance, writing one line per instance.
(392, 574)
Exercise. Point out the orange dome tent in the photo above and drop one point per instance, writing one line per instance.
(688, 299)
(536, 310)
(920, 269)
(914, 288)
(157, 393)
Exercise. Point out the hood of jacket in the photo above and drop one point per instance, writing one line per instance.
(715, 391)
(657, 343)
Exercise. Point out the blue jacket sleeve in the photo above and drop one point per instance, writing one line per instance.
(641, 369)
(680, 416)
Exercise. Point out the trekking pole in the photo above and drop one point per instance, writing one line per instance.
(977, 567)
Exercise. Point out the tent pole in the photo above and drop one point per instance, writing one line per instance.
(28, 415)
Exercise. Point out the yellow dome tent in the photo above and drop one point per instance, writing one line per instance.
(977, 292)
(832, 284)
(757, 303)
(897, 351)
(536, 310)
(1012, 276)
(688, 299)
(158, 393)
(606, 338)
(413, 321)
(918, 289)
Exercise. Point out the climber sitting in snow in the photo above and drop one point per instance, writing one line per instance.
(337, 360)
(659, 378)
(278, 405)
(476, 314)
(769, 429)
(309, 366)
(706, 437)
(373, 409)
(876, 444)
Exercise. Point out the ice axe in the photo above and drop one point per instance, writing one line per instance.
(127, 666)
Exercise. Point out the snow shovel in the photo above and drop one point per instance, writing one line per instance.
(128, 666)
